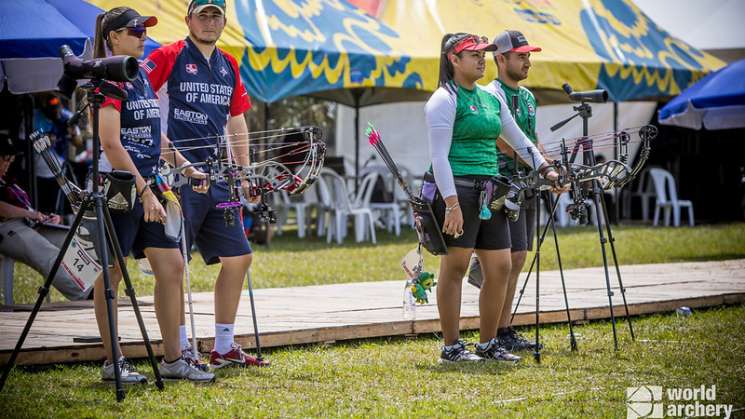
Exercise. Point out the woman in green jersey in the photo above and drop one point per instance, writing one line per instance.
(463, 124)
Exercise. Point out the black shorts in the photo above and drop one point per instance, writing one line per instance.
(491, 234)
(207, 227)
(135, 235)
(522, 231)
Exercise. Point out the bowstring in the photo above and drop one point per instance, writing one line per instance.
(280, 132)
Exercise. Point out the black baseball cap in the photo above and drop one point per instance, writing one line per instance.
(129, 19)
(513, 41)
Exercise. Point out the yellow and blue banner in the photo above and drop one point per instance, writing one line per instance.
(298, 47)
(288, 48)
(609, 44)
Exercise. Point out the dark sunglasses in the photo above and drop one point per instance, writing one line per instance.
(136, 31)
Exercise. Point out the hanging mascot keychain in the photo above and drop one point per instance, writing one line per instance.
(419, 282)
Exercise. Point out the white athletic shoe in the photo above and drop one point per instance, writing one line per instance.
(182, 370)
(128, 373)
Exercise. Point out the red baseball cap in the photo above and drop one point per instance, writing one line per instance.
(513, 41)
(468, 43)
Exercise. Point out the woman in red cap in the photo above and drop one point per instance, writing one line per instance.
(131, 141)
(463, 124)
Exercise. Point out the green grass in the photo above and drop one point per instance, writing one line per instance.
(400, 377)
(290, 261)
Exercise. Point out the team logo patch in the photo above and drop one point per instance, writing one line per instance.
(223, 71)
(531, 109)
(191, 68)
(473, 108)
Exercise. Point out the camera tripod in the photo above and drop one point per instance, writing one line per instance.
(584, 111)
(106, 236)
(540, 237)
(534, 181)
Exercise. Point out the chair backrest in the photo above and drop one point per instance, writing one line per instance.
(337, 189)
(399, 193)
(642, 182)
(309, 196)
(664, 185)
(365, 191)
(323, 192)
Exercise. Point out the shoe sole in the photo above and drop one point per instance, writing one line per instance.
(210, 381)
(512, 361)
(465, 361)
(239, 365)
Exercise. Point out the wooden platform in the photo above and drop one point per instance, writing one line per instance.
(289, 316)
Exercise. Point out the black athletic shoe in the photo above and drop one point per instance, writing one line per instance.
(458, 353)
(493, 351)
(512, 341)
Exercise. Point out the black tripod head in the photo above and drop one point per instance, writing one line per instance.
(583, 110)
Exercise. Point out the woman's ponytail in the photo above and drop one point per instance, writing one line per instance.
(99, 49)
(100, 41)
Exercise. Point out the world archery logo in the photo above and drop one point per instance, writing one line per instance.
(223, 71)
(191, 69)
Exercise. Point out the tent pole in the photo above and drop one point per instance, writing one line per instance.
(28, 122)
(356, 93)
(266, 116)
(617, 205)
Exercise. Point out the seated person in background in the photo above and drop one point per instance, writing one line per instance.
(51, 118)
(23, 233)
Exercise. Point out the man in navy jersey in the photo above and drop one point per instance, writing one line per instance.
(206, 95)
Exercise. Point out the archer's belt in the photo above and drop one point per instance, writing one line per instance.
(464, 181)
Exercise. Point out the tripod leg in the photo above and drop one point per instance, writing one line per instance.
(253, 315)
(131, 293)
(530, 270)
(572, 339)
(103, 251)
(185, 254)
(539, 240)
(612, 241)
(43, 292)
(596, 200)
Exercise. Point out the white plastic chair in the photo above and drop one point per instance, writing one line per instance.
(300, 207)
(667, 198)
(391, 211)
(359, 207)
(644, 191)
(325, 206)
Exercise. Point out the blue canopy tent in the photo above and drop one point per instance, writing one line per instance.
(31, 33)
(83, 15)
(715, 102)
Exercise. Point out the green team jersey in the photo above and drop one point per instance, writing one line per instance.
(524, 116)
(477, 125)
